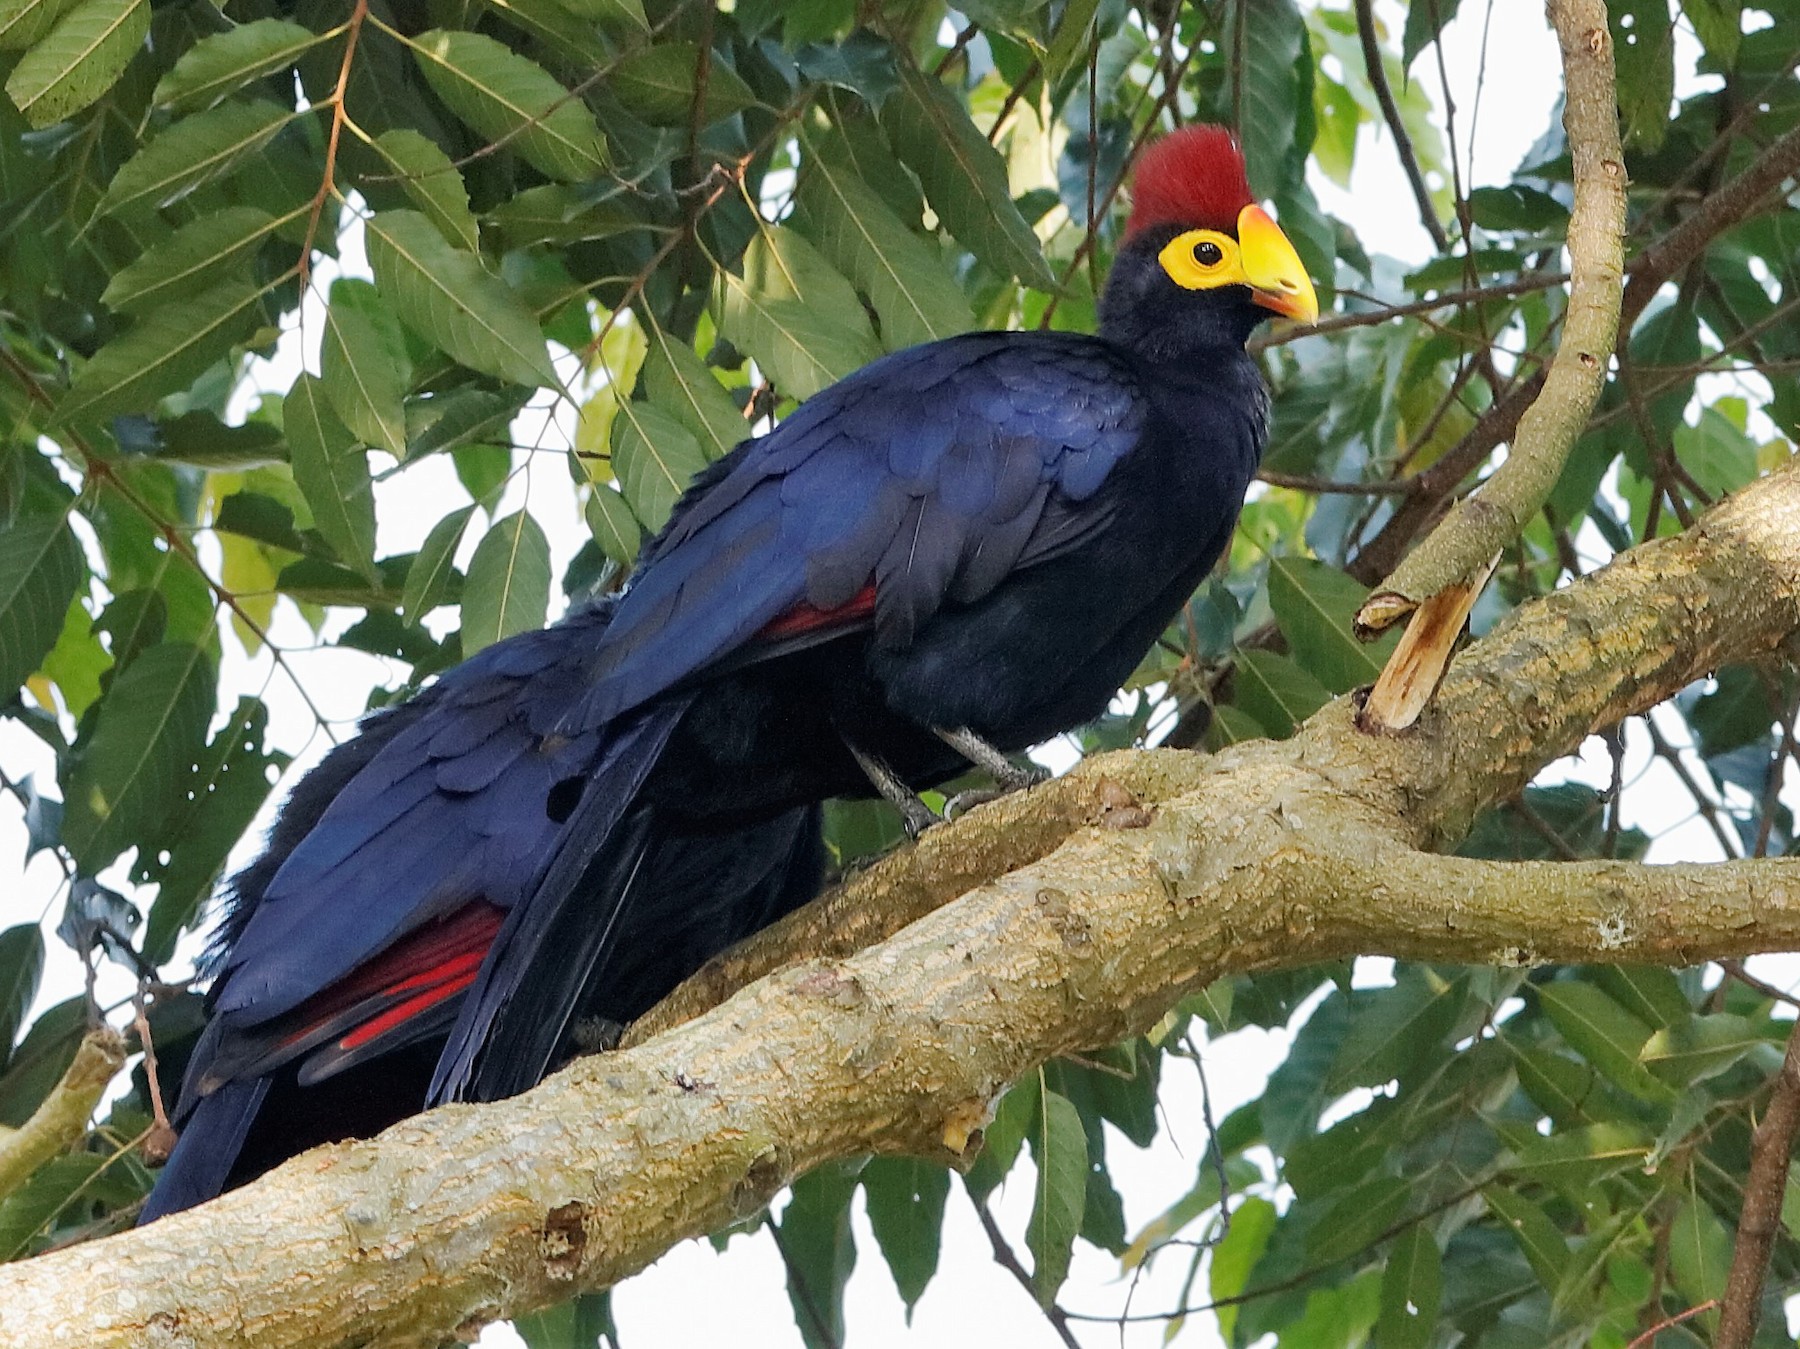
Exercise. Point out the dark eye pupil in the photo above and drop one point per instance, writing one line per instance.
(1207, 254)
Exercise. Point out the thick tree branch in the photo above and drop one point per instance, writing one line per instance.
(1484, 523)
(62, 1118)
(1264, 855)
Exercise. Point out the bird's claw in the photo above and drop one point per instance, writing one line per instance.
(917, 817)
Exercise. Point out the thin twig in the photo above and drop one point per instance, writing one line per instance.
(1649, 1336)
(1004, 1257)
(1390, 112)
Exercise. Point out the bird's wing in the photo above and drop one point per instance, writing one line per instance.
(927, 476)
(387, 881)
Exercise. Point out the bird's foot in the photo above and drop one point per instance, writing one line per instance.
(917, 817)
(1007, 775)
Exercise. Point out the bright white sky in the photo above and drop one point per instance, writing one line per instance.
(693, 1295)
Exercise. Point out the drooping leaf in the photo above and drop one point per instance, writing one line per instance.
(915, 297)
(52, 1189)
(363, 365)
(1274, 99)
(654, 456)
(964, 177)
(676, 379)
(906, 1198)
(432, 183)
(448, 298)
(1643, 34)
(579, 1323)
(1603, 1033)
(41, 568)
(193, 151)
(163, 352)
(508, 585)
(610, 520)
(1393, 1029)
(87, 50)
(21, 965)
(1314, 605)
(658, 84)
(1540, 1239)
(1278, 692)
(332, 470)
(224, 790)
(1233, 1259)
(795, 314)
(1425, 19)
(196, 256)
(151, 730)
(1701, 1048)
(1059, 1147)
(820, 1252)
(428, 578)
(218, 66)
(506, 97)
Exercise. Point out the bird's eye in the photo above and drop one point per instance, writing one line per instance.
(1207, 254)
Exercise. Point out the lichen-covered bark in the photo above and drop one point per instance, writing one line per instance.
(1056, 922)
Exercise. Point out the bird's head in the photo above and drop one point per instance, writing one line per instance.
(1201, 264)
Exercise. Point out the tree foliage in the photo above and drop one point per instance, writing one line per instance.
(668, 222)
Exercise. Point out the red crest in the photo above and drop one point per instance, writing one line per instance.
(1193, 177)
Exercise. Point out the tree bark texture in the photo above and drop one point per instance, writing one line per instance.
(1058, 921)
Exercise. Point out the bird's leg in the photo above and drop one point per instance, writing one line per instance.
(1008, 776)
(914, 813)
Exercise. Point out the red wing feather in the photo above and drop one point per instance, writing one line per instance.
(803, 618)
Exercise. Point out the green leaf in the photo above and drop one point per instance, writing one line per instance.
(1253, 1224)
(1314, 605)
(1699, 1252)
(1425, 19)
(1275, 46)
(444, 295)
(1643, 36)
(192, 258)
(1277, 692)
(798, 317)
(1649, 992)
(1736, 712)
(87, 50)
(1074, 31)
(654, 456)
(193, 151)
(1719, 24)
(41, 1058)
(1299, 1089)
(915, 297)
(580, 1323)
(508, 586)
(224, 790)
(657, 83)
(1540, 1240)
(609, 519)
(1604, 1034)
(906, 1198)
(432, 183)
(624, 15)
(220, 65)
(24, 22)
(428, 579)
(332, 470)
(1702, 1047)
(964, 177)
(364, 366)
(151, 730)
(36, 1204)
(1393, 1029)
(504, 96)
(1358, 1217)
(164, 352)
(1720, 456)
(21, 966)
(41, 569)
(820, 1252)
(1059, 1147)
(676, 379)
